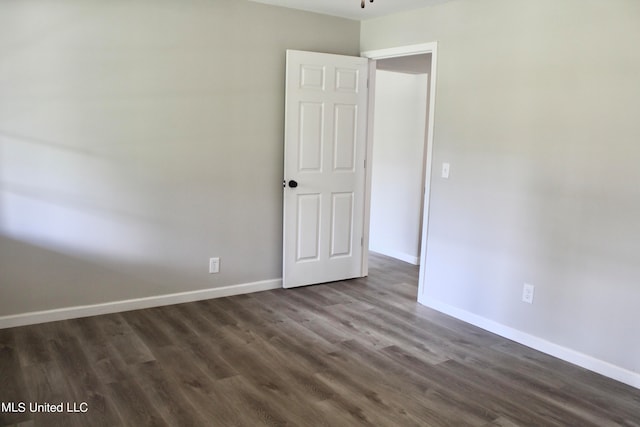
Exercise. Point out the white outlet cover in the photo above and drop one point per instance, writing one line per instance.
(214, 265)
(527, 293)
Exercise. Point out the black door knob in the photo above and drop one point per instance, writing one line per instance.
(293, 184)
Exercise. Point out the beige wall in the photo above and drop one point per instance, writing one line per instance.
(138, 139)
(537, 107)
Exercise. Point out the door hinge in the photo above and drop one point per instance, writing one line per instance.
(362, 241)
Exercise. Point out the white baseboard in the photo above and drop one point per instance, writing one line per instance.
(568, 355)
(34, 317)
(397, 255)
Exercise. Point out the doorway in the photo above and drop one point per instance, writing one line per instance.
(321, 145)
(398, 157)
(414, 59)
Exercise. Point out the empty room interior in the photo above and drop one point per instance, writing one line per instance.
(298, 212)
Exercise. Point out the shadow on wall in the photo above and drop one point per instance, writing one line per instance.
(70, 199)
(73, 232)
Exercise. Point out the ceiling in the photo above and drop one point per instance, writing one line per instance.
(412, 64)
(351, 8)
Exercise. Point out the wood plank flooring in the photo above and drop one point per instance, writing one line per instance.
(359, 353)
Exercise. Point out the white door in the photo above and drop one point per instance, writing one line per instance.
(324, 167)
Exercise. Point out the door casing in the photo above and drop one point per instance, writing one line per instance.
(373, 55)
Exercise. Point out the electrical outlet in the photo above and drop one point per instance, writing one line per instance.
(527, 293)
(214, 265)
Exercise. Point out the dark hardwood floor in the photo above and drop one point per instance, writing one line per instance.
(360, 353)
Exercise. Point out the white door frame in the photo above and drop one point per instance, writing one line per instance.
(394, 52)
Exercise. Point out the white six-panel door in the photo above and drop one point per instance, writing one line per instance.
(325, 145)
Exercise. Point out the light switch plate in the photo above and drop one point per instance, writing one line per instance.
(445, 170)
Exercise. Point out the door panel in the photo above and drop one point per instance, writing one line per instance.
(311, 136)
(308, 215)
(347, 80)
(325, 123)
(312, 77)
(341, 224)
(345, 137)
